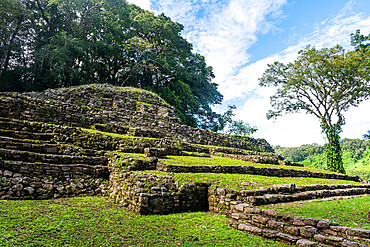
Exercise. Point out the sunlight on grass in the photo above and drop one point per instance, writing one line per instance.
(234, 181)
(348, 212)
(93, 221)
(221, 161)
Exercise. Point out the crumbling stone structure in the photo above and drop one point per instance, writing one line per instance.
(70, 142)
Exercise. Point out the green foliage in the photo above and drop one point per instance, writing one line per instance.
(349, 212)
(98, 222)
(367, 136)
(245, 181)
(333, 150)
(298, 154)
(61, 43)
(325, 83)
(225, 123)
(240, 128)
(356, 156)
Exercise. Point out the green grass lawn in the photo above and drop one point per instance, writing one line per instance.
(94, 221)
(348, 212)
(222, 161)
(234, 181)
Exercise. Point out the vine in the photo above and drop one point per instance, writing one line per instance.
(333, 150)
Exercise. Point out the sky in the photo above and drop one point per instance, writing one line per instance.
(239, 38)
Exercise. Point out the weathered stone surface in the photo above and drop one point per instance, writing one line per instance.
(305, 243)
(260, 220)
(275, 225)
(308, 231)
(292, 230)
(323, 224)
(269, 233)
(287, 237)
(249, 228)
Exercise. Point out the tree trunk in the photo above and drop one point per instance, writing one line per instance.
(333, 150)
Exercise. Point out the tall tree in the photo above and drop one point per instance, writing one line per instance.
(60, 43)
(13, 30)
(325, 83)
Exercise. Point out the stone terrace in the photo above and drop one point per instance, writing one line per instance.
(102, 140)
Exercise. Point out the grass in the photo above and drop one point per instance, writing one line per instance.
(348, 212)
(221, 161)
(129, 154)
(234, 181)
(115, 135)
(94, 221)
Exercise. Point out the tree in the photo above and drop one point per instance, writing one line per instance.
(238, 127)
(323, 82)
(13, 22)
(60, 43)
(367, 136)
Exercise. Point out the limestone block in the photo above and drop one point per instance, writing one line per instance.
(287, 237)
(305, 243)
(249, 228)
(259, 219)
(273, 224)
(323, 224)
(299, 221)
(308, 231)
(292, 230)
(269, 233)
(271, 213)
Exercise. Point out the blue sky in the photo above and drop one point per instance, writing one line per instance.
(240, 37)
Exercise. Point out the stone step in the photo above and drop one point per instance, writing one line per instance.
(302, 196)
(75, 170)
(23, 125)
(16, 155)
(43, 147)
(27, 135)
(292, 188)
(297, 230)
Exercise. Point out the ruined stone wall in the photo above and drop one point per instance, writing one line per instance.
(263, 171)
(301, 231)
(117, 110)
(151, 194)
(25, 186)
(221, 200)
(271, 224)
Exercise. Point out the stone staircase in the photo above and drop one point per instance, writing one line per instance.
(33, 165)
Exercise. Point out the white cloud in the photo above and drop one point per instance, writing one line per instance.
(144, 4)
(297, 129)
(223, 31)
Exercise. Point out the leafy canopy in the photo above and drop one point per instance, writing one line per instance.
(323, 82)
(60, 43)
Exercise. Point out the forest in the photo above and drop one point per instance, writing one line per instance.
(61, 43)
(356, 156)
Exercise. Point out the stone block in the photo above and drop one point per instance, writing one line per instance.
(269, 233)
(299, 221)
(252, 210)
(292, 230)
(308, 231)
(259, 219)
(270, 213)
(249, 228)
(305, 243)
(361, 233)
(287, 237)
(310, 221)
(273, 224)
(323, 224)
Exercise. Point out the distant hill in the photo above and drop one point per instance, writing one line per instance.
(356, 156)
